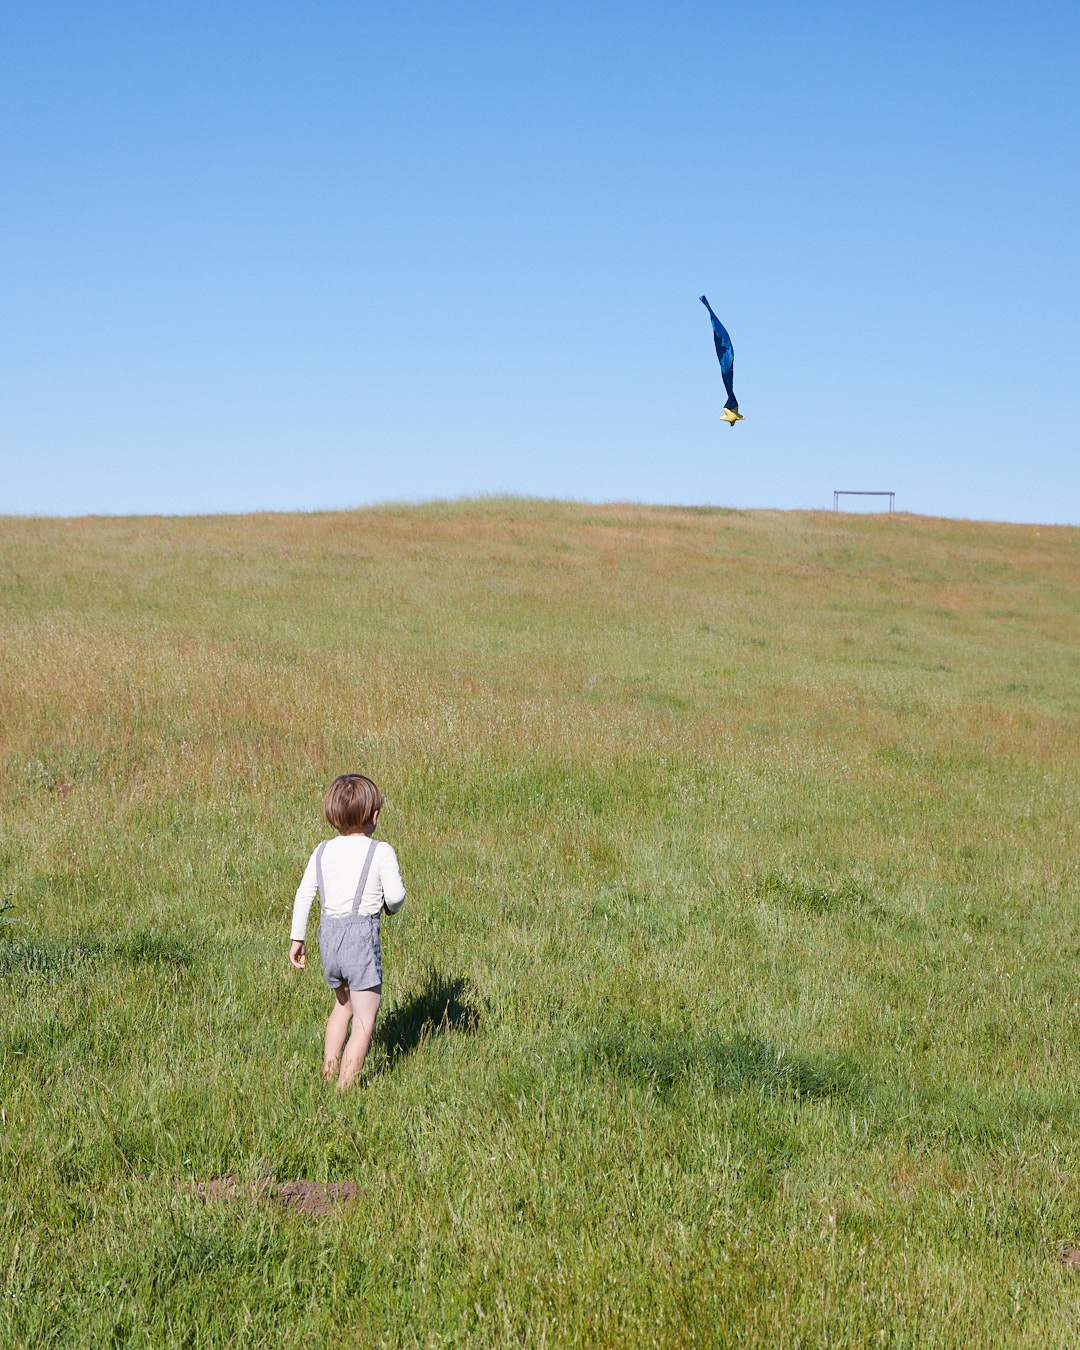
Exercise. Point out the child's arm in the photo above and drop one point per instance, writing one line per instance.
(393, 888)
(305, 894)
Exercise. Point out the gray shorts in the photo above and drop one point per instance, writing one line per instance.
(350, 951)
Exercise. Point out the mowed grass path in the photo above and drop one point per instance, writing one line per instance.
(741, 848)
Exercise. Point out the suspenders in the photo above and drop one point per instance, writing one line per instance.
(360, 885)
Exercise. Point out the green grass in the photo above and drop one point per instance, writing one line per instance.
(735, 997)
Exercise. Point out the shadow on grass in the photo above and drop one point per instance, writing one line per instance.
(817, 896)
(56, 957)
(444, 1005)
(661, 1060)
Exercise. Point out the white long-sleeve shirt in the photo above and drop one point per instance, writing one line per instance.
(342, 861)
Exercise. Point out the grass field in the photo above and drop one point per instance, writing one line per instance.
(742, 857)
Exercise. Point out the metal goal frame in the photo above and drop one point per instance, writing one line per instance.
(861, 492)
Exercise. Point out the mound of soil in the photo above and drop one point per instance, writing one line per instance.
(306, 1197)
(312, 1197)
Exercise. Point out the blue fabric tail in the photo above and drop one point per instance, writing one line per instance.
(725, 354)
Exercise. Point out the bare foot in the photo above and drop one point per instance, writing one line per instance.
(330, 1070)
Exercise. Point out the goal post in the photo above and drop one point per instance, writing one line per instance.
(861, 492)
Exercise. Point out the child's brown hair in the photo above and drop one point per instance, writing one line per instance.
(351, 802)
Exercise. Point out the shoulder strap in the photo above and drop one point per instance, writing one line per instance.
(318, 873)
(364, 876)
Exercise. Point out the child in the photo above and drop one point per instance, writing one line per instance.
(357, 879)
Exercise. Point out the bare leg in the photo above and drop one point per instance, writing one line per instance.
(337, 1028)
(365, 1008)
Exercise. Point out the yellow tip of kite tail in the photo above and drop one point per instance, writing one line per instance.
(730, 416)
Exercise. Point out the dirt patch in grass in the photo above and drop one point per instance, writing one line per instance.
(305, 1197)
(1071, 1257)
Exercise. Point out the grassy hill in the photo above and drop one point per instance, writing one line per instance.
(741, 855)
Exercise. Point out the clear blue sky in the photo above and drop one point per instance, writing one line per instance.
(269, 255)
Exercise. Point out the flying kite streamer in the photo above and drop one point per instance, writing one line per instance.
(725, 354)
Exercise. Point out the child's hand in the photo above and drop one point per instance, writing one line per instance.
(298, 955)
